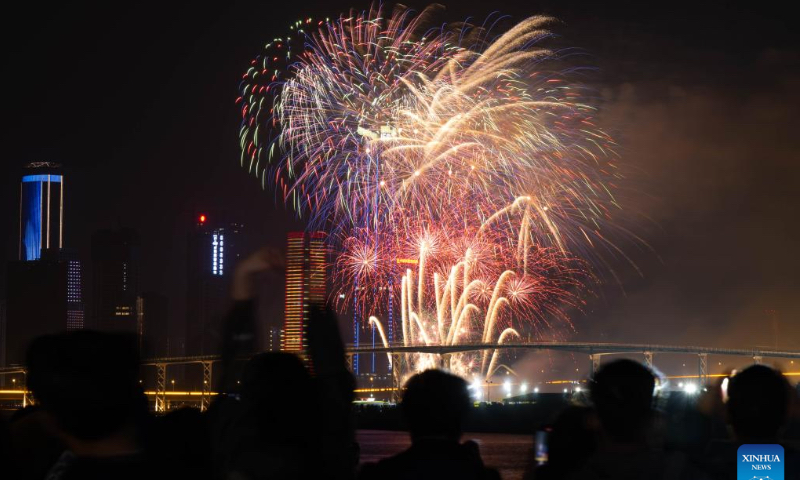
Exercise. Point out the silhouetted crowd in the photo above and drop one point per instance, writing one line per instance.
(91, 419)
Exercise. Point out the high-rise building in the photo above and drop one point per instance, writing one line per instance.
(152, 325)
(274, 340)
(45, 286)
(75, 305)
(214, 247)
(365, 333)
(115, 279)
(41, 210)
(306, 279)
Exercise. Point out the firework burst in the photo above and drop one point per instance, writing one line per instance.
(469, 155)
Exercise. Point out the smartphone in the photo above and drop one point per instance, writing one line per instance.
(541, 452)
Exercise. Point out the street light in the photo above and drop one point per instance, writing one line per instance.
(173, 384)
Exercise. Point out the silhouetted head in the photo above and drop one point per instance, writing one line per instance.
(436, 404)
(87, 380)
(573, 437)
(758, 402)
(280, 390)
(622, 393)
(266, 373)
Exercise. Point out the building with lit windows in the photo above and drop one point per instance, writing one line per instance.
(45, 285)
(306, 279)
(365, 334)
(275, 335)
(214, 247)
(115, 279)
(75, 305)
(41, 210)
(153, 326)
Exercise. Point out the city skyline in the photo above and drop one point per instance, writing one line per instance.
(718, 206)
(375, 239)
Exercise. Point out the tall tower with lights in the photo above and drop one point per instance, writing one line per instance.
(41, 210)
(214, 246)
(115, 279)
(306, 280)
(44, 291)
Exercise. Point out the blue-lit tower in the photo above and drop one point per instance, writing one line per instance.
(44, 291)
(214, 247)
(41, 210)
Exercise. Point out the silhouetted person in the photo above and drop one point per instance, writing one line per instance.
(571, 442)
(435, 406)
(622, 394)
(758, 404)
(757, 410)
(34, 445)
(87, 383)
(285, 423)
(272, 430)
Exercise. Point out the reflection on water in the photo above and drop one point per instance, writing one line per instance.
(507, 453)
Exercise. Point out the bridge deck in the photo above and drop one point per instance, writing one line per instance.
(590, 348)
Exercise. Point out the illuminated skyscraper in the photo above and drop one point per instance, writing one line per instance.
(44, 290)
(306, 279)
(275, 335)
(115, 279)
(41, 210)
(213, 249)
(75, 306)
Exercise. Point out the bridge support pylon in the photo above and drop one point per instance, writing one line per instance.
(594, 358)
(444, 361)
(161, 387)
(702, 368)
(396, 378)
(648, 359)
(27, 398)
(205, 398)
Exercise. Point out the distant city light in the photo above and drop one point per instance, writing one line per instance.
(536, 390)
(690, 388)
(477, 388)
(523, 388)
(202, 219)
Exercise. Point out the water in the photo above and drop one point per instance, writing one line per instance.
(505, 452)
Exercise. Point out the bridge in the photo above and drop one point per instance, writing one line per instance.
(594, 350)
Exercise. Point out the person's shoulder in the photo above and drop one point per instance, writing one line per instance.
(386, 468)
(653, 464)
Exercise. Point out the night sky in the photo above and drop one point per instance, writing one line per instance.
(137, 102)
